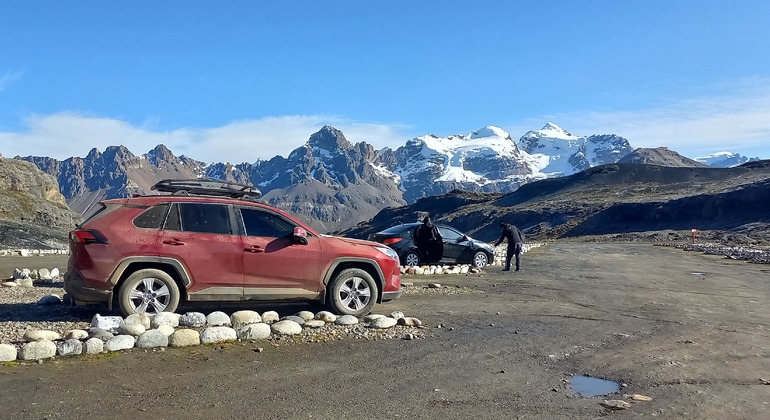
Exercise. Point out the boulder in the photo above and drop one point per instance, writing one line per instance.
(217, 319)
(35, 350)
(410, 321)
(69, 347)
(286, 327)
(165, 318)
(75, 335)
(326, 316)
(241, 319)
(132, 329)
(298, 320)
(259, 331)
(120, 342)
(192, 319)
(314, 323)
(100, 333)
(139, 319)
(270, 316)
(167, 330)
(383, 322)
(346, 320)
(8, 352)
(305, 315)
(49, 300)
(152, 338)
(93, 346)
(184, 338)
(218, 335)
(40, 335)
(109, 323)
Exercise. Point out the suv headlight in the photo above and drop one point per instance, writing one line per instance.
(389, 252)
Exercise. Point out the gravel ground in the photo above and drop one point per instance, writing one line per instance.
(20, 312)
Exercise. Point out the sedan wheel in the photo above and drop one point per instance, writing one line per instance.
(480, 260)
(411, 259)
(148, 291)
(353, 292)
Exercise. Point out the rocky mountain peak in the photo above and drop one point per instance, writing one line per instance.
(549, 126)
(330, 139)
(160, 154)
(93, 154)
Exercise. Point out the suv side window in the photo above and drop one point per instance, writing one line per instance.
(262, 223)
(199, 217)
(152, 218)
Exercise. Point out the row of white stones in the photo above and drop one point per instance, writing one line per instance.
(166, 329)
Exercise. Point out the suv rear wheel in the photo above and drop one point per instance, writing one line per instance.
(148, 290)
(353, 292)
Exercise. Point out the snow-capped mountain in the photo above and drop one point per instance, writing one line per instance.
(334, 184)
(556, 152)
(484, 160)
(725, 159)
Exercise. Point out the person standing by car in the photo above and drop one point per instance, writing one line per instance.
(428, 241)
(515, 244)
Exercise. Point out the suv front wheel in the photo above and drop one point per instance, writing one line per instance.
(148, 290)
(353, 292)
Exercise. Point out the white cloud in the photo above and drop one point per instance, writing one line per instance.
(69, 134)
(738, 121)
(9, 78)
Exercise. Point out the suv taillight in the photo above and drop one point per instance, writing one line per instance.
(391, 241)
(87, 236)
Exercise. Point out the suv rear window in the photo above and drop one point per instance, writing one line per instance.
(152, 218)
(102, 211)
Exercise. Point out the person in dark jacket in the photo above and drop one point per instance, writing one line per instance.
(515, 244)
(428, 241)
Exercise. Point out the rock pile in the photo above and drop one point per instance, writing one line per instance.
(114, 333)
(24, 252)
(25, 277)
(753, 255)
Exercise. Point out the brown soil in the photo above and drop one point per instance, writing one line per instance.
(687, 329)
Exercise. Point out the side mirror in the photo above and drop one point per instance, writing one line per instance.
(462, 238)
(300, 236)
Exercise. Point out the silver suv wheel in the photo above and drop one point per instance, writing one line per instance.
(353, 292)
(149, 290)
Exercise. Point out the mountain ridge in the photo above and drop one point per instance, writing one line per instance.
(320, 180)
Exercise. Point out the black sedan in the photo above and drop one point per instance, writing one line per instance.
(459, 248)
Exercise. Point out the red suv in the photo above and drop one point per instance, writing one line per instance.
(211, 241)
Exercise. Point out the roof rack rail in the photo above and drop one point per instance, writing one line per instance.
(207, 186)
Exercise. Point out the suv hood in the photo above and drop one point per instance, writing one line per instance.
(352, 241)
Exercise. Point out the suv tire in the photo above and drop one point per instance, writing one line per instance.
(149, 290)
(353, 292)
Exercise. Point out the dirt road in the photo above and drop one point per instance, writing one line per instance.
(689, 330)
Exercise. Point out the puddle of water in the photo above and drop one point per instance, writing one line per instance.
(591, 387)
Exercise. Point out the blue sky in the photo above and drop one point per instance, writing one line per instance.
(242, 80)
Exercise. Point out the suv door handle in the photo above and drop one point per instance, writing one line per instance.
(254, 249)
(174, 242)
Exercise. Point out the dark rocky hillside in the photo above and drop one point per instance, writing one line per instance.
(620, 200)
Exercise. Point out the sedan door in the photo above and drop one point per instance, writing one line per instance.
(452, 246)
